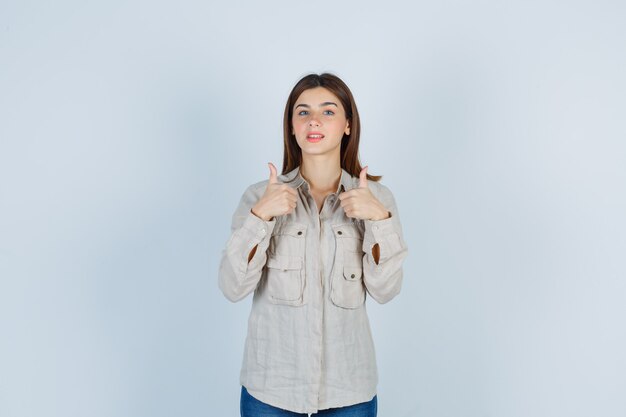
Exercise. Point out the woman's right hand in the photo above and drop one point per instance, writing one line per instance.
(277, 200)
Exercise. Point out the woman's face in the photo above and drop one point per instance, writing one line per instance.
(319, 122)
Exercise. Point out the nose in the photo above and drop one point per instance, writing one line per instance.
(313, 122)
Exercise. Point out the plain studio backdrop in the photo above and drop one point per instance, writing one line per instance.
(129, 131)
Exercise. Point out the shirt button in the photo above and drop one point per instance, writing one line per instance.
(299, 232)
(375, 227)
(339, 232)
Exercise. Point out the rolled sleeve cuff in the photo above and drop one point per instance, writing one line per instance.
(257, 227)
(384, 233)
(255, 231)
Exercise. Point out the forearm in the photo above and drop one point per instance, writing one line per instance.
(244, 257)
(385, 251)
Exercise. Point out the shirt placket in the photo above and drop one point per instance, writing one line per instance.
(321, 223)
(328, 214)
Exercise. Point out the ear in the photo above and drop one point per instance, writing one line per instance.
(347, 129)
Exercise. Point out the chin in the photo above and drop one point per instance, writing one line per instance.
(326, 146)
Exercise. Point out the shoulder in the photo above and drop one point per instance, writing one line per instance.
(259, 186)
(253, 192)
(378, 186)
(381, 191)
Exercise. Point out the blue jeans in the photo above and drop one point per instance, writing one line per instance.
(251, 407)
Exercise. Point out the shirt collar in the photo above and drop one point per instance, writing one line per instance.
(294, 179)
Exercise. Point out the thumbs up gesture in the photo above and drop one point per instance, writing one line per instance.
(277, 200)
(360, 203)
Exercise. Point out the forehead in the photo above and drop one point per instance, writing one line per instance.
(317, 95)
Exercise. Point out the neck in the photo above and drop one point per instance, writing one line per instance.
(322, 174)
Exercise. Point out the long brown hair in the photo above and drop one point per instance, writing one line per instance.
(292, 155)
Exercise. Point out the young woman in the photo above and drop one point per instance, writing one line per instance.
(311, 243)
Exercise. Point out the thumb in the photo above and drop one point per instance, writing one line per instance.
(273, 174)
(363, 178)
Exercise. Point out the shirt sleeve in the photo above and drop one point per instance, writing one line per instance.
(237, 277)
(384, 280)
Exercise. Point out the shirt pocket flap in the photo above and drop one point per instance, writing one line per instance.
(297, 230)
(352, 273)
(284, 262)
(347, 230)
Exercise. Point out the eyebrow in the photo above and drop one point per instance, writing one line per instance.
(326, 103)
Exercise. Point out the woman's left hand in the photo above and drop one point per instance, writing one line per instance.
(360, 203)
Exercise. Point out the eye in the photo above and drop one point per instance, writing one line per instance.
(330, 112)
(303, 112)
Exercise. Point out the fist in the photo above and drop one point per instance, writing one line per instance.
(360, 203)
(278, 199)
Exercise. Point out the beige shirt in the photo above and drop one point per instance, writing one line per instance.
(309, 346)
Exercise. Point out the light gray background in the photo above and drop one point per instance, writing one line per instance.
(129, 130)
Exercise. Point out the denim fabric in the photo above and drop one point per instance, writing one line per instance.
(251, 407)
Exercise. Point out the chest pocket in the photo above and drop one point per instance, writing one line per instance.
(285, 267)
(347, 287)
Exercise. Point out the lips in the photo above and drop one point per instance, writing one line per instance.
(314, 137)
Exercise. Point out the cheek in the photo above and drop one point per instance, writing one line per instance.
(339, 130)
(297, 126)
